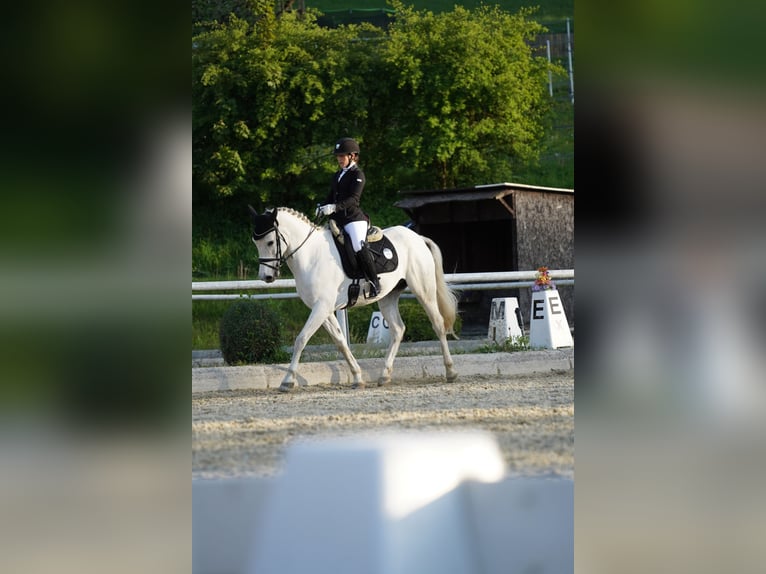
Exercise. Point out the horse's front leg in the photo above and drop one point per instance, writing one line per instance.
(333, 328)
(318, 315)
(389, 306)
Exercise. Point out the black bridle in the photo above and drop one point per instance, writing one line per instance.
(268, 261)
(279, 259)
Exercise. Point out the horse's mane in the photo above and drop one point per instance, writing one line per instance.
(299, 215)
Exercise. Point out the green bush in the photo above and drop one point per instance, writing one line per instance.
(250, 332)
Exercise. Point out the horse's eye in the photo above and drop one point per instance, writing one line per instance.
(270, 243)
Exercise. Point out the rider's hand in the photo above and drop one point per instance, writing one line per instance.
(326, 209)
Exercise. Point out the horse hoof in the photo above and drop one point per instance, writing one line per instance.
(382, 381)
(452, 378)
(286, 387)
(358, 385)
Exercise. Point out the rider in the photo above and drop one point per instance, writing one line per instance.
(342, 205)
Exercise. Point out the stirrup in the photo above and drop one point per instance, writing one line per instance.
(374, 289)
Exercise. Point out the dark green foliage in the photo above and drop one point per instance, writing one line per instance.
(436, 100)
(417, 324)
(207, 12)
(475, 93)
(250, 332)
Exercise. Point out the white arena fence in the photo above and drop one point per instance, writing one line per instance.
(285, 288)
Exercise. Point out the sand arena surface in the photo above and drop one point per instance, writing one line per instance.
(246, 432)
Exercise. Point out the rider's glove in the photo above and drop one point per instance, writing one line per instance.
(326, 209)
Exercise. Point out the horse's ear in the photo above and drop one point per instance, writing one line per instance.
(252, 210)
(273, 214)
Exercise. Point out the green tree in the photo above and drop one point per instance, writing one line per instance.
(270, 97)
(472, 94)
(435, 101)
(229, 60)
(207, 12)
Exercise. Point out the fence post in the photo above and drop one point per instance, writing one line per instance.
(571, 73)
(550, 75)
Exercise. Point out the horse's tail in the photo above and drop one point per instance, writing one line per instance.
(445, 296)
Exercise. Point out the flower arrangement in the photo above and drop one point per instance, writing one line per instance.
(543, 280)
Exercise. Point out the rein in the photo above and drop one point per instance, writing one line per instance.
(282, 259)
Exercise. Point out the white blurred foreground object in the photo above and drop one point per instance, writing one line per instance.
(390, 503)
(514, 525)
(401, 503)
(376, 504)
(548, 326)
(504, 320)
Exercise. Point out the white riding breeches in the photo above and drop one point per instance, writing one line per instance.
(357, 231)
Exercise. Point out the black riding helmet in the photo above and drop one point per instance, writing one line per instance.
(346, 146)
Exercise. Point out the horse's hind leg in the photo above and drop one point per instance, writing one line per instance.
(437, 322)
(332, 326)
(389, 306)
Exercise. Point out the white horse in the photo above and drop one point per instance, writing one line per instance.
(284, 235)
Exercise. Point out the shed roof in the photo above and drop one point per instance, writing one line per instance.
(421, 197)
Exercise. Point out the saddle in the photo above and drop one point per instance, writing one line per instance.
(383, 254)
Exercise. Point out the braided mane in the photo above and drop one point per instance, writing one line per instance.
(299, 215)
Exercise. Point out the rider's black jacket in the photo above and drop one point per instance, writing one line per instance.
(345, 194)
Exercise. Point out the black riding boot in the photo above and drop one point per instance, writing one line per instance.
(366, 262)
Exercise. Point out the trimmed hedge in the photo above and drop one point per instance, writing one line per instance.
(250, 332)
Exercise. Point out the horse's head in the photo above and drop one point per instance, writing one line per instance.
(268, 241)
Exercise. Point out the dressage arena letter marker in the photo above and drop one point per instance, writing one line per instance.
(503, 322)
(548, 327)
(378, 332)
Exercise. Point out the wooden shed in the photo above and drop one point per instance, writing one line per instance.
(497, 227)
